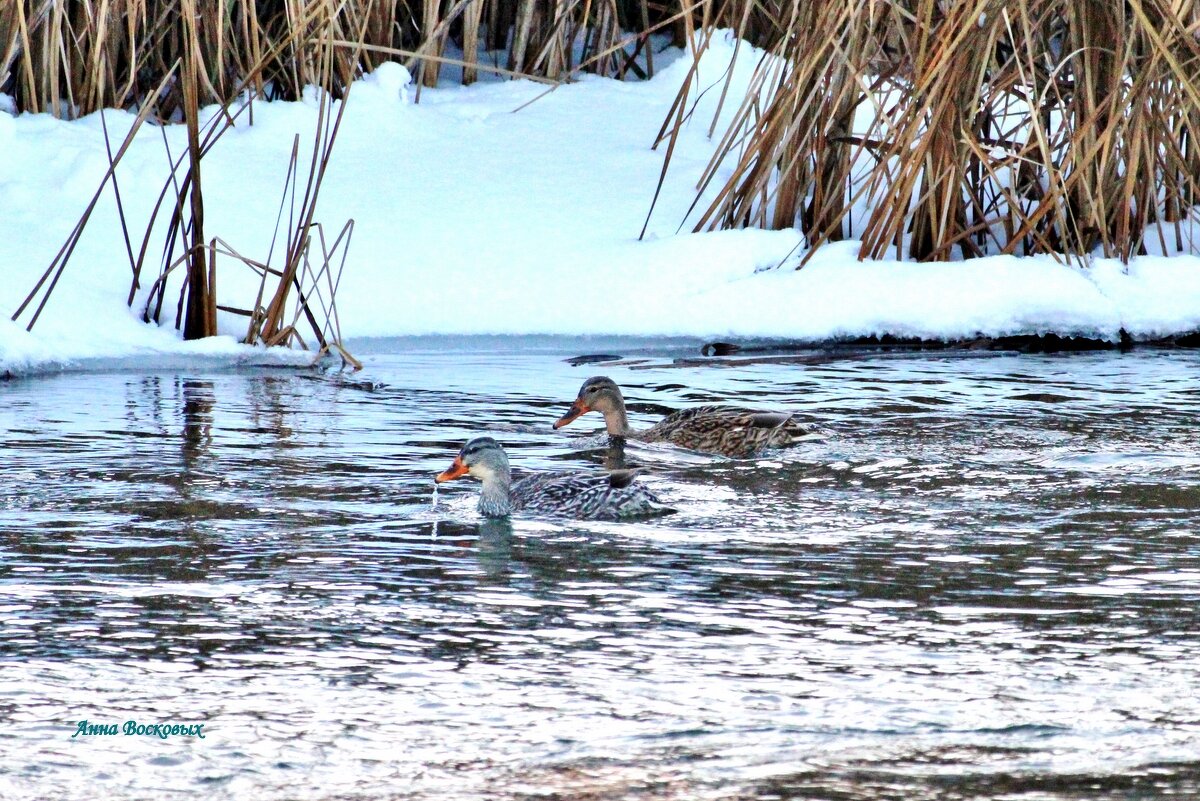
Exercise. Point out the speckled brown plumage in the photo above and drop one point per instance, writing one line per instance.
(727, 430)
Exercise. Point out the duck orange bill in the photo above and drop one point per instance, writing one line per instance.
(456, 470)
(577, 408)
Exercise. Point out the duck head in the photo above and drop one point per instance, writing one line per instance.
(482, 458)
(599, 394)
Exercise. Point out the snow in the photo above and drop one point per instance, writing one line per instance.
(472, 218)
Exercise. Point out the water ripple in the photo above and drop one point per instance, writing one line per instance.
(982, 580)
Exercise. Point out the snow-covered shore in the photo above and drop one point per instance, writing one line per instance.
(473, 219)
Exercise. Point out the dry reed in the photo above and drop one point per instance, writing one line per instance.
(304, 285)
(933, 130)
(77, 56)
(926, 129)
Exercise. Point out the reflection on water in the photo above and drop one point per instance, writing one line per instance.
(983, 583)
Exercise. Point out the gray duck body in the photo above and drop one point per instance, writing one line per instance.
(603, 496)
(589, 497)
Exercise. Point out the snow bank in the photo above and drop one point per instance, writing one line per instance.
(473, 219)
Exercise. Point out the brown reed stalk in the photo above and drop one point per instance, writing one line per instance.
(201, 320)
(472, 14)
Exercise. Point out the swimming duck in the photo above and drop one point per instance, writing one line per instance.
(594, 497)
(727, 430)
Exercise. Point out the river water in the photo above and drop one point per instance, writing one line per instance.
(981, 583)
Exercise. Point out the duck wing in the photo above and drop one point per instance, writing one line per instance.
(619, 479)
(767, 419)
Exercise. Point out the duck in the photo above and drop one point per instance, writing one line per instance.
(604, 496)
(725, 430)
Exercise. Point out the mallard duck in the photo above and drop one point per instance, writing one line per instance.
(594, 497)
(727, 430)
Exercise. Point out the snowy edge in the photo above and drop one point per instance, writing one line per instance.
(473, 220)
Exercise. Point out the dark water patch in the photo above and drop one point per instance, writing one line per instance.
(597, 358)
(1043, 397)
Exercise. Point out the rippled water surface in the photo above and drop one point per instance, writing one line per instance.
(981, 583)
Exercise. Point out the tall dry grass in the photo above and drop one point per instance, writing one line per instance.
(926, 129)
(77, 56)
(937, 129)
(169, 59)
